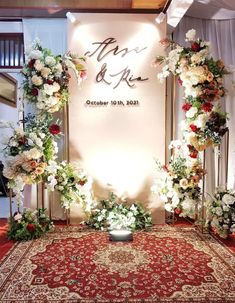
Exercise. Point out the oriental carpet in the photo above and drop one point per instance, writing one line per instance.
(166, 264)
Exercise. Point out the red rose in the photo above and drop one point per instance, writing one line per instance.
(193, 154)
(190, 147)
(195, 47)
(31, 63)
(31, 227)
(207, 106)
(54, 129)
(178, 211)
(34, 91)
(22, 141)
(180, 81)
(193, 127)
(81, 182)
(50, 82)
(186, 106)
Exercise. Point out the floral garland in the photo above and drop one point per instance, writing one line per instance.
(110, 214)
(28, 151)
(178, 182)
(47, 77)
(202, 78)
(204, 124)
(29, 225)
(221, 212)
(31, 150)
(72, 183)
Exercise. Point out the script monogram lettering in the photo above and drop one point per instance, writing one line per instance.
(109, 47)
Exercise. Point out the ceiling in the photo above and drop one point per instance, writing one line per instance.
(58, 8)
(209, 9)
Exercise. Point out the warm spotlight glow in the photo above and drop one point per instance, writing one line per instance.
(117, 119)
(71, 17)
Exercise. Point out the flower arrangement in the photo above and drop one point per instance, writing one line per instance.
(28, 151)
(178, 182)
(110, 214)
(202, 78)
(71, 182)
(221, 212)
(29, 225)
(47, 77)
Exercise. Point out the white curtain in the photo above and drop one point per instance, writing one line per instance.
(53, 35)
(51, 32)
(220, 33)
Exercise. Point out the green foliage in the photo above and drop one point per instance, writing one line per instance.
(113, 214)
(29, 225)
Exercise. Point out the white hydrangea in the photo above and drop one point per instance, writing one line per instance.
(37, 80)
(201, 120)
(45, 72)
(191, 112)
(228, 199)
(35, 54)
(51, 182)
(33, 153)
(49, 60)
(38, 65)
(191, 35)
(219, 211)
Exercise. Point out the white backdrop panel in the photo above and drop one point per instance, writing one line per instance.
(117, 119)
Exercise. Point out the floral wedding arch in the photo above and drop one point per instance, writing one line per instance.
(204, 125)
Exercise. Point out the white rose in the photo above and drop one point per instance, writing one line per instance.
(33, 153)
(49, 60)
(60, 188)
(51, 101)
(175, 201)
(201, 120)
(13, 143)
(225, 208)
(42, 135)
(38, 65)
(59, 68)
(8, 172)
(38, 142)
(184, 183)
(52, 181)
(228, 199)
(45, 72)
(225, 226)
(218, 211)
(191, 35)
(35, 54)
(56, 87)
(168, 207)
(52, 167)
(36, 80)
(30, 142)
(17, 217)
(40, 105)
(191, 112)
(33, 136)
(48, 89)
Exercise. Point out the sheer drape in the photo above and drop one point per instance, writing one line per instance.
(53, 35)
(220, 33)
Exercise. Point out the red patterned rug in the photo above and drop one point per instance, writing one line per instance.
(167, 264)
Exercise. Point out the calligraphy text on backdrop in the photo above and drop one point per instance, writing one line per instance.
(105, 48)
